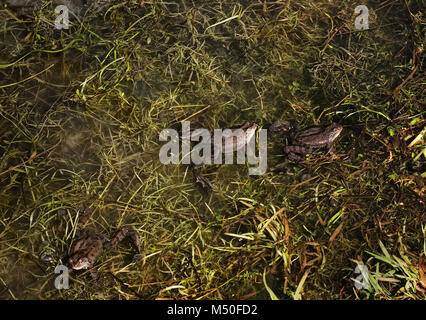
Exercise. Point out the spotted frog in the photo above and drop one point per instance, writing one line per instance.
(303, 142)
(90, 244)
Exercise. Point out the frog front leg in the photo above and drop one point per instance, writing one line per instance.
(330, 148)
(84, 215)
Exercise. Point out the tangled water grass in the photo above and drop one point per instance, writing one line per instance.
(81, 110)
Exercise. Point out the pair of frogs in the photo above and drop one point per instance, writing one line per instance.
(302, 142)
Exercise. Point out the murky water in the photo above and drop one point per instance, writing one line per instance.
(82, 111)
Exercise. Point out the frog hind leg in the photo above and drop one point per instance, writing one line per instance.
(297, 152)
(84, 216)
(246, 125)
(80, 233)
(94, 274)
(205, 183)
(277, 126)
(295, 157)
(120, 235)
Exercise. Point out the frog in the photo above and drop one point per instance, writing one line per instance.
(303, 142)
(90, 244)
(278, 126)
(239, 140)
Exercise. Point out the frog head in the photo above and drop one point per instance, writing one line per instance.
(78, 263)
(334, 130)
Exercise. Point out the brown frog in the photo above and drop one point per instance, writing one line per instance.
(90, 244)
(240, 138)
(303, 142)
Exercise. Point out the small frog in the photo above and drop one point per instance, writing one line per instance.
(278, 126)
(90, 244)
(303, 142)
(232, 140)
